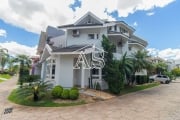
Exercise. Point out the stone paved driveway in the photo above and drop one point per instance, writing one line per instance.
(159, 103)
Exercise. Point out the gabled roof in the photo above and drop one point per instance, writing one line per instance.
(54, 32)
(88, 14)
(83, 21)
(42, 42)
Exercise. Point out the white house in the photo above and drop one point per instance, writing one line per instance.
(68, 47)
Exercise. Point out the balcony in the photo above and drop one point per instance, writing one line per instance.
(115, 33)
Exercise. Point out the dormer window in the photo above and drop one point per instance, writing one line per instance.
(75, 33)
(89, 21)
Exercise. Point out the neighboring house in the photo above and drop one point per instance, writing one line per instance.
(171, 64)
(60, 52)
(157, 60)
(35, 66)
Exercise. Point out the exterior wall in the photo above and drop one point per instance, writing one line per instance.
(59, 41)
(78, 74)
(65, 71)
(120, 50)
(83, 37)
(134, 48)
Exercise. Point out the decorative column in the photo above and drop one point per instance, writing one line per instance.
(100, 74)
(82, 75)
(43, 70)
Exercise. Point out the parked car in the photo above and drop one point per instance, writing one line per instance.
(160, 78)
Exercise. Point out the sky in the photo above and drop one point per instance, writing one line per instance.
(156, 21)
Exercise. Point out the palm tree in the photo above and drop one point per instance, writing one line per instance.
(12, 65)
(23, 59)
(140, 61)
(3, 57)
(125, 66)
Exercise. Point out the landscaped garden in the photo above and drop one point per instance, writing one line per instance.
(120, 76)
(46, 100)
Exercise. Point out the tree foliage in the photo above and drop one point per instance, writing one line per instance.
(161, 67)
(111, 71)
(140, 60)
(36, 90)
(176, 71)
(3, 58)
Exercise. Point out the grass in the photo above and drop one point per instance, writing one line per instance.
(46, 102)
(6, 76)
(129, 89)
(1, 81)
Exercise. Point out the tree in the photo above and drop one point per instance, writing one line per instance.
(24, 67)
(111, 72)
(3, 58)
(140, 61)
(12, 65)
(176, 71)
(161, 67)
(125, 67)
(25, 60)
(37, 90)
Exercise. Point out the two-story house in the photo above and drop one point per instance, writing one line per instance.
(60, 49)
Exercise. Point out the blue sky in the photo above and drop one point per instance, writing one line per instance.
(157, 22)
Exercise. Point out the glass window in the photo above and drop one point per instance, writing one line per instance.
(115, 28)
(95, 71)
(50, 69)
(91, 36)
(97, 36)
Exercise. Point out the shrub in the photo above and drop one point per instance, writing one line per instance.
(73, 94)
(65, 94)
(141, 79)
(74, 88)
(57, 91)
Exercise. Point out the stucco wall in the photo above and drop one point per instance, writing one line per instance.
(65, 71)
(83, 37)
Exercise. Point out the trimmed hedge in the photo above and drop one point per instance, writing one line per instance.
(57, 91)
(74, 94)
(141, 79)
(65, 94)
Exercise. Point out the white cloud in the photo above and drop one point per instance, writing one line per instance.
(35, 15)
(15, 48)
(135, 24)
(3, 33)
(150, 13)
(126, 7)
(168, 53)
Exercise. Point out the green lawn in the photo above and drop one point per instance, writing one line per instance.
(129, 89)
(46, 102)
(6, 76)
(1, 81)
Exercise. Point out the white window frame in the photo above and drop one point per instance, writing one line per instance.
(49, 74)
